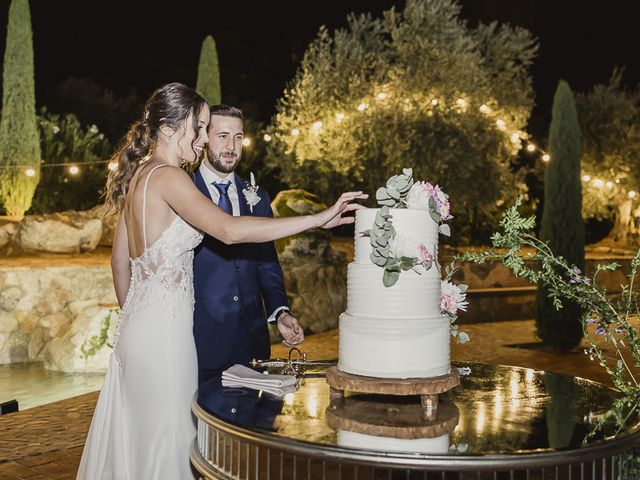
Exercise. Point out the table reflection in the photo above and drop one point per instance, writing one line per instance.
(391, 424)
(495, 409)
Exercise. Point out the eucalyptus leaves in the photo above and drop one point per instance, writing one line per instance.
(396, 191)
(392, 251)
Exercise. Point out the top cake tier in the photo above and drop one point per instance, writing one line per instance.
(416, 224)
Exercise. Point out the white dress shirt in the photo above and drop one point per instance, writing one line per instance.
(209, 178)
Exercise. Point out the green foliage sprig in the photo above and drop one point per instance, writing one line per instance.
(605, 319)
(91, 345)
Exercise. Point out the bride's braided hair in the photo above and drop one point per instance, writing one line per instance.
(169, 105)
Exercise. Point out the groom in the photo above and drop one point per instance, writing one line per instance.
(236, 286)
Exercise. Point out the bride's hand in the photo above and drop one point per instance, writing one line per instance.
(332, 216)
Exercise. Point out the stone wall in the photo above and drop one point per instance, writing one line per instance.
(316, 280)
(47, 314)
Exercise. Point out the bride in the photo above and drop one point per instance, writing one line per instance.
(142, 425)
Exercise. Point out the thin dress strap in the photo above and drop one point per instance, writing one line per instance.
(144, 204)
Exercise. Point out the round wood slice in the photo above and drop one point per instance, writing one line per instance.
(390, 418)
(340, 380)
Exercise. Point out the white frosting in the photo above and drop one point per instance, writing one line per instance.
(394, 348)
(415, 295)
(416, 224)
(434, 446)
(397, 331)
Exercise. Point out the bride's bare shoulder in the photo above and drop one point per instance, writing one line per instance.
(169, 173)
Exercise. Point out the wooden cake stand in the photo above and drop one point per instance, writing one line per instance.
(427, 388)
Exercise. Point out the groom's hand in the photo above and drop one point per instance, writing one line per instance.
(290, 330)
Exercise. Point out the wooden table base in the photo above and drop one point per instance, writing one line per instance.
(427, 388)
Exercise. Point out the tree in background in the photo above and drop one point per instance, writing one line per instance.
(19, 141)
(609, 119)
(208, 84)
(64, 140)
(416, 88)
(562, 226)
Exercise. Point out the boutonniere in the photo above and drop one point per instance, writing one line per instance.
(251, 193)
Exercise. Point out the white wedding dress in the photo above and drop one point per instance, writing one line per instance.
(142, 426)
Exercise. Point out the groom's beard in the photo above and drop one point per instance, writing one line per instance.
(219, 165)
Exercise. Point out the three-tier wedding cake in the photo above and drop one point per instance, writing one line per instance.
(398, 322)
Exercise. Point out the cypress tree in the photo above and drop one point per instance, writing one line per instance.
(562, 226)
(208, 84)
(19, 139)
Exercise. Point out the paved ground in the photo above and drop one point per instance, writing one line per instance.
(46, 442)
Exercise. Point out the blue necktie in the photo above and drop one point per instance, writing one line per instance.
(224, 202)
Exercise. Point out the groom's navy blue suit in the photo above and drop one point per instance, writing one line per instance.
(235, 285)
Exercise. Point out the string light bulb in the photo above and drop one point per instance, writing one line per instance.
(500, 123)
(382, 96)
(267, 137)
(316, 126)
(30, 172)
(339, 117)
(112, 166)
(515, 137)
(598, 183)
(531, 147)
(362, 107)
(546, 157)
(484, 108)
(586, 178)
(74, 170)
(295, 132)
(461, 102)
(434, 102)
(246, 141)
(609, 184)
(632, 194)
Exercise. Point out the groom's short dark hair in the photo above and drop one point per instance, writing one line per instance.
(223, 110)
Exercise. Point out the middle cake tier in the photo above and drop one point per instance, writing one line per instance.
(415, 295)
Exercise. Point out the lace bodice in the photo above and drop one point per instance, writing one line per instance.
(164, 270)
(169, 260)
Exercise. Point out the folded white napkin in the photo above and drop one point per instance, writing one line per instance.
(275, 391)
(248, 376)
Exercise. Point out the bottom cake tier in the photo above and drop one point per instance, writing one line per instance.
(394, 348)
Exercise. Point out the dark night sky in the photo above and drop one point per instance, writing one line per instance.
(137, 44)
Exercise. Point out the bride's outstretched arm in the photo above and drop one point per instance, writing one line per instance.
(120, 265)
(187, 201)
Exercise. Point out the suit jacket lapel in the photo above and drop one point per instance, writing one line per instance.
(242, 201)
(199, 181)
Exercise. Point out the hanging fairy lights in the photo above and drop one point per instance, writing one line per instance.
(520, 139)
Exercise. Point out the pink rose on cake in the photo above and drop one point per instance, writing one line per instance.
(424, 256)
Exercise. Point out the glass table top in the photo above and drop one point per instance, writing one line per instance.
(495, 410)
